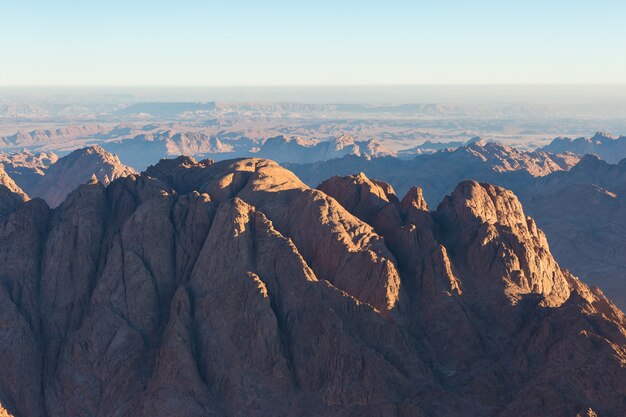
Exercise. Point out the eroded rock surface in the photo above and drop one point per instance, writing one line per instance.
(11, 196)
(231, 288)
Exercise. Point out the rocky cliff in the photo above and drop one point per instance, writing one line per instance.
(11, 196)
(231, 288)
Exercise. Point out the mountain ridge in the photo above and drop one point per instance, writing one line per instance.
(222, 288)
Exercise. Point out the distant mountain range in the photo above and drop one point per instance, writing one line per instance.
(165, 110)
(610, 148)
(439, 172)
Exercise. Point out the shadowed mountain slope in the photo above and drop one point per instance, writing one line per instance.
(231, 288)
(79, 167)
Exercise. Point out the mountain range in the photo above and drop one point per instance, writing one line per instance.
(439, 172)
(578, 202)
(51, 178)
(610, 148)
(232, 288)
(580, 208)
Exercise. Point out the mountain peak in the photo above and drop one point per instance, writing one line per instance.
(489, 221)
(602, 136)
(201, 287)
(78, 167)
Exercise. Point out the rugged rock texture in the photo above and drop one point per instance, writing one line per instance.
(582, 210)
(611, 149)
(79, 167)
(11, 196)
(231, 288)
(439, 172)
(25, 167)
(4, 412)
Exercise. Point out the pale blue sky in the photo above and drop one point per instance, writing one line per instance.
(239, 42)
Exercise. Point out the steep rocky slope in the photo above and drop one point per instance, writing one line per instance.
(231, 288)
(581, 209)
(77, 168)
(583, 212)
(11, 196)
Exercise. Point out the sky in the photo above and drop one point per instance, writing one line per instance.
(268, 43)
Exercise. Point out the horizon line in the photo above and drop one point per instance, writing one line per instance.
(538, 84)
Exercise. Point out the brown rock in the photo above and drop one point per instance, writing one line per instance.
(77, 168)
(218, 289)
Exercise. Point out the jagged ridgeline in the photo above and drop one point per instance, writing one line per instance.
(233, 289)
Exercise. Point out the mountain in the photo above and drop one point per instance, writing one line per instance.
(439, 172)
(40, 137)
(583, 212)
(297, 150)
(25, 167)
(11, 196)
(165, 110)
(231, 288)
(142, 150)
(611, 149)
(430, 146)
(77, 168)
(582, 209)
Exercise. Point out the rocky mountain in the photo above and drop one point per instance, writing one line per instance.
(298, 150)
(611, 149)
(232, 288)
(142, 150)
(430, 146)
(583, 212)
(77, 168)
(439, 172)
(40, 137)
(25, 167)
(11, 195)
(581, 209)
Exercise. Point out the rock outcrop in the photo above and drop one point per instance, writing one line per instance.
(11, 196)
(25, 167)
(581, 209)
(79, 167)
(231, 288)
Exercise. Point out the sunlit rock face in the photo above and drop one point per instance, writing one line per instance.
(231, 288)
(11, 196)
